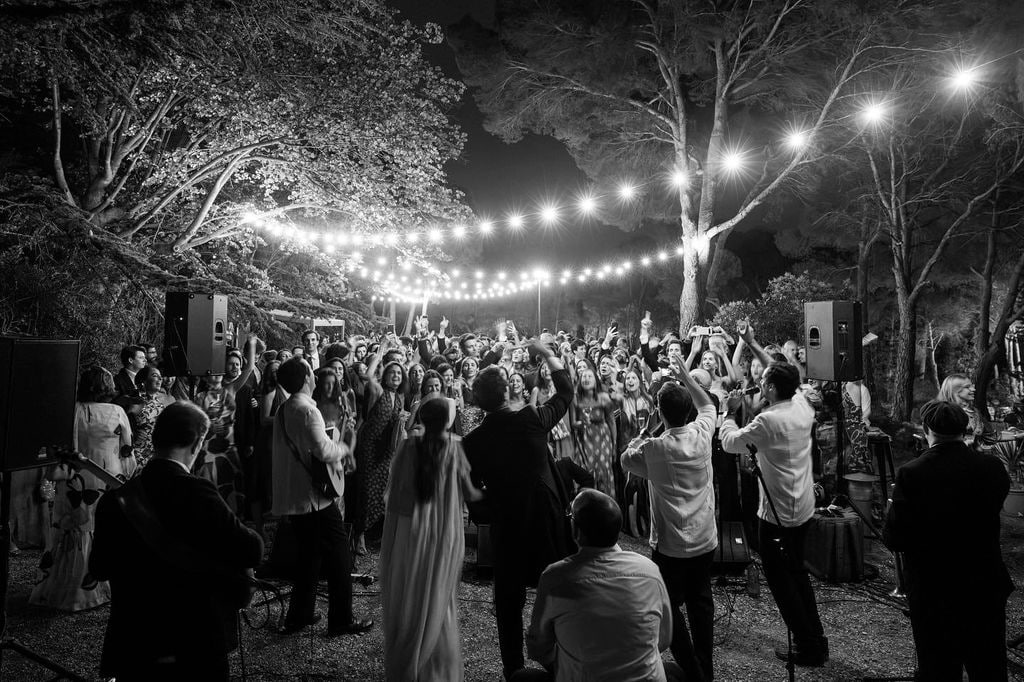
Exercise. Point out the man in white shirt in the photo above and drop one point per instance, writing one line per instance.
(311, 348)
(683, 533)
(781, 432)
(602, 613)
(300, 442)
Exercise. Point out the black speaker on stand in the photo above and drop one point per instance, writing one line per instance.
(38, 381)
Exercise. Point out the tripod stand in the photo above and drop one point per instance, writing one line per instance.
(9, 643)
(759, 475)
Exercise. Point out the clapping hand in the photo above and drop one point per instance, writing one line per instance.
(734, 401)
(746, 331)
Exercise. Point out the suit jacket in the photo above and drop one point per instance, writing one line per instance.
(509, 455)
(156, 609)
(124, 384)
(944, 517)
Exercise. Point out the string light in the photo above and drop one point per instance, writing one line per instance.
(964, 79)
(873, 113)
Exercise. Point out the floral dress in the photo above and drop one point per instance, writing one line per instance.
(858, 457)
(376, 442)
(596, 452)
(218, 460)
(142, 435)
(560, 437)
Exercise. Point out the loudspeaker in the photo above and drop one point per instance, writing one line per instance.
(195, 334)
(832, 339)
(38, 381)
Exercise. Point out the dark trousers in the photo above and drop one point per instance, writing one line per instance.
(782, 558)
(509, 600)
(689, 584)
(202, 669)
(952, 634)
(320, 537)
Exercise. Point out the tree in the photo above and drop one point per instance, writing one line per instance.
(172, 128)
(677, 90)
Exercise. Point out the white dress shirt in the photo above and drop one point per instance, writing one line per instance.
(601, 614)
(293, 491)
(782, 435)
(678, 466)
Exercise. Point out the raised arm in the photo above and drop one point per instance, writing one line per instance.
(556, 406)
(746, 332)
(695, 349)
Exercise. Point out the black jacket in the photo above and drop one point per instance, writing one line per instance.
(124, 385)
(945, 519)
(509, 455)
(158, 610)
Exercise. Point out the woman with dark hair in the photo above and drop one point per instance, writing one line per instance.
(422, 549)
(416, 373)
(218, 460)
(471, 415)
(430, 387)
(329, 398)
(103, 434)
(517, 395)
(150, 385)
(594, 419)
(560, 439)
(379, 437)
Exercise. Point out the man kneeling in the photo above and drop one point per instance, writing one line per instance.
(602, 613)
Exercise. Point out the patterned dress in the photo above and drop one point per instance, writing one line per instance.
(376, 442)
(218, 461)
(858, 457)
(142, 434)
(597, 447)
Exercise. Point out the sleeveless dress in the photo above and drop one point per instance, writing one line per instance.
(422, 549)
(218, 460)
(858, 457)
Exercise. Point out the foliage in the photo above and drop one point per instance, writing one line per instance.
(779, 314)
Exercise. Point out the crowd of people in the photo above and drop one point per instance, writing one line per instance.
(368, 443)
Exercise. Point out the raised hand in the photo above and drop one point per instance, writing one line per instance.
(745, 330)
(443, 325)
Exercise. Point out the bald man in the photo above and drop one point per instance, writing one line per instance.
(602, 613)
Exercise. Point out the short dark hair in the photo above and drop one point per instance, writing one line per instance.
(143, 375)
(784, 377)
(675, 403)
(128, 352)
(490, 389)
(308, 332)
(464, 339)
(291, 375)
(336, 350)
(179, 425)
(96, 385)
(597, 517)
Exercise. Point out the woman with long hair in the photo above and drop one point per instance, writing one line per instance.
(471, 415)
(269, 398)
(103, 434)
(560, 439)
(432, 386)
(959, 390)
(422, 549)
(594, 421)
(517, 395)
(416, 373)
(218, 460)
(378, 439)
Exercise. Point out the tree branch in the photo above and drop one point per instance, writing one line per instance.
(58, 163)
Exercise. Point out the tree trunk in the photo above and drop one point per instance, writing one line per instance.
(981, 333)
(694, 293)
(903, 363)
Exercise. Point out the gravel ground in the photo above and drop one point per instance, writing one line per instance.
(868, 634)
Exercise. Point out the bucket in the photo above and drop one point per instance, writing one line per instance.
(860, 488)
(1014, 503)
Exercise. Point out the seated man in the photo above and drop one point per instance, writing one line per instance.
(176, 557)
(602, 613)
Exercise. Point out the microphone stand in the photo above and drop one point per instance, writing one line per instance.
(790, 666)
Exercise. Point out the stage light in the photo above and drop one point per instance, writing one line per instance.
(873, 113)
(796, 139)
(732, 161)
(627, 191)
(963, 79)
(587, 204)
(515, 221)
(459, 231)
(435, 235)
(549, 214)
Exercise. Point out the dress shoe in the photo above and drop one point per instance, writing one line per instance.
(292, 628)
(811, 658)
(354, 627)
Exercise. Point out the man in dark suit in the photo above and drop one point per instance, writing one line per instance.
(944, 517)
(172, 551)
(133, 358)
(525, 497)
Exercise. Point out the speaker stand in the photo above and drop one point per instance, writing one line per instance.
(9, 643)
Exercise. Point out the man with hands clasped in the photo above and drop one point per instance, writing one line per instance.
(781, 433)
